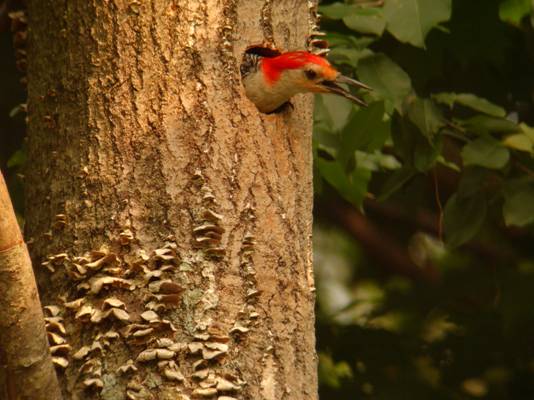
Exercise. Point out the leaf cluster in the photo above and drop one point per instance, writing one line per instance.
(442, 98)
(442, 162)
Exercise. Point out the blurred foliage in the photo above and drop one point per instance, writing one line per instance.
(441, 164)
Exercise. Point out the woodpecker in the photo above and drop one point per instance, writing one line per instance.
(271, 80)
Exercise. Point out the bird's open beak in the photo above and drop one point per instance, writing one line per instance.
(333, 87)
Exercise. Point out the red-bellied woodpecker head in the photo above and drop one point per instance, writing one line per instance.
(271, 81)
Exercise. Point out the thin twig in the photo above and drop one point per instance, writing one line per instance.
(440, 206)
(524, 168)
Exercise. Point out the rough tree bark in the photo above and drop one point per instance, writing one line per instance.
(170, 221)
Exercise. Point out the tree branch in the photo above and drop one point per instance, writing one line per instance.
(426, 221)
(24, 354)
(377, 243)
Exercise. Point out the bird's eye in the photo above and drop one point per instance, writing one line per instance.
(310, 74)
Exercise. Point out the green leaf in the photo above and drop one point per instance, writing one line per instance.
(411, 20)
(470, 100)
(376, 161)
(527, 130)
(426, 116)
(332, 111)
(366, 20)
(518, 208)
(17, 159)
(414, 149)
(338, 109)
(337, 10)
(323, 127)
(449, 164)
(463, 217)
(396, 181)
(325, 139)
(472, 180)
(320, 113)
(388, 80)
(513, 11)
(331, 373)
(352, 187)
(485, 152)
(483, 124)
(519, 141)
(342, 40)
(366, 130)
(348, 56)
(426, 153)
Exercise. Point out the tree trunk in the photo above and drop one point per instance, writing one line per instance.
(171, 219)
